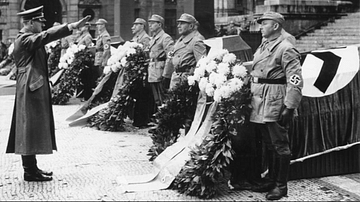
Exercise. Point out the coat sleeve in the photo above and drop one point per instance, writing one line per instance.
(199, 50)
(36, 41)
(168, 45)
(107, 43)
(294, 80)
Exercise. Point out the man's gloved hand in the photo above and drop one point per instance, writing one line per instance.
(286, 116)
(80, 23)
(165, 82)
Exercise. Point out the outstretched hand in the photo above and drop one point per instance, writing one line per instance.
(80, 23)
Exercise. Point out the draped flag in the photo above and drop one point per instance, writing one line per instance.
(327, 71)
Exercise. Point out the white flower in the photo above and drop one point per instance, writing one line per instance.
(82, 47)
(202, 62)
(211, 66)
(223, 69)
(123, 61)
(130, 51)
(217, 95)
(221, 54)
(209, 90)
(191, 80)
(225, 91)
(229, 58)
(239, 71)
(199, 72)
(203, 83)
(219, 80)
(107, 69)
(235, 84)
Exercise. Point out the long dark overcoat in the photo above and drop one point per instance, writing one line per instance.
(32, 127)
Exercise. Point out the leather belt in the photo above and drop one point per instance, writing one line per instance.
(157, 59)
(269, 81)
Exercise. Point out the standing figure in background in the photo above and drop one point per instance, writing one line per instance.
(85, 37)
(276, 93)
(232, 30)
(161, 45)
(32, 129)
(188, 49)
(86, 76)
(103, 42)
(140, 35)
(142, 110)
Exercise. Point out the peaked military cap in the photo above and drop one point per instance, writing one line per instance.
(101, 21)
(272, 16)
(156, 18)
(33, 14)
(187, 18)
(140, 21)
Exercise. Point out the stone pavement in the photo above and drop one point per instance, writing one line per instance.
(88, 161)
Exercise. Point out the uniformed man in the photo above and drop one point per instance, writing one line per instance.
(188, 49)
(103, 42)
(140, 35)
(161, 45)
(85, 37)
(276, 90)
(32, 128)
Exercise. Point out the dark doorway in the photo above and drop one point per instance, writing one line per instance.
(52, 10)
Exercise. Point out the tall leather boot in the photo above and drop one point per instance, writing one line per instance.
(48, 173)
(31, 171)
(282, 173)
(269, 181)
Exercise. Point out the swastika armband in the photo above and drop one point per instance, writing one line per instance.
(295, 79)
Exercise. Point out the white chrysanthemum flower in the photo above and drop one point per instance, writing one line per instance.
(202, 62)
(217, 95)
(107, 69)
(64, 66)
(209, 90)
(211, 66)
(130, 51)
(239, 71)
(82, 47)
(212, 77)
(191, 80)
(203, 83)
(229, 58)
(219, 80)
(199, 72)
(235, 84)
(223, 69)
(221, 54)
(123, 61)
(225, 91)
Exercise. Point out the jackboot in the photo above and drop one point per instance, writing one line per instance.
(268, 183)
(280, 190)
(48, 173)
(31, 171)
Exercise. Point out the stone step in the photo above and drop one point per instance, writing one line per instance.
(333, 30)
(331, 37)
(328, 41)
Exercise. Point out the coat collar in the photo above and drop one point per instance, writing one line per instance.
(156, 37)
(186, 39)
(259, 56)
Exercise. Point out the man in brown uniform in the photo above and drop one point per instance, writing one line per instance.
(276, 93)
(161, 45)
(140, 35)
(32, 128)
(188, 49)
(103, 42)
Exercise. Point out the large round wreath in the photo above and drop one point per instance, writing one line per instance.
(112, 117)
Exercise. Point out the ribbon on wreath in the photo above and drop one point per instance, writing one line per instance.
(169, 163)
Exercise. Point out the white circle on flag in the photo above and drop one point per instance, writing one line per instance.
(347, 69)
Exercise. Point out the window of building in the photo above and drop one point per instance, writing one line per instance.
(170, 2)
(170, 22)
(136, 13)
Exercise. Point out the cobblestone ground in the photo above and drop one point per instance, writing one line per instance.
(88, 162)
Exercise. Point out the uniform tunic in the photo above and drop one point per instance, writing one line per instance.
(187, 51)
(85, 39)
(102, 49)
(142, 38)
(32, 127)
(279, 59)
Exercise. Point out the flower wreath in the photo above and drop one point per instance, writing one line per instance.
(225, 79)
(72, 62)
(135, 62)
